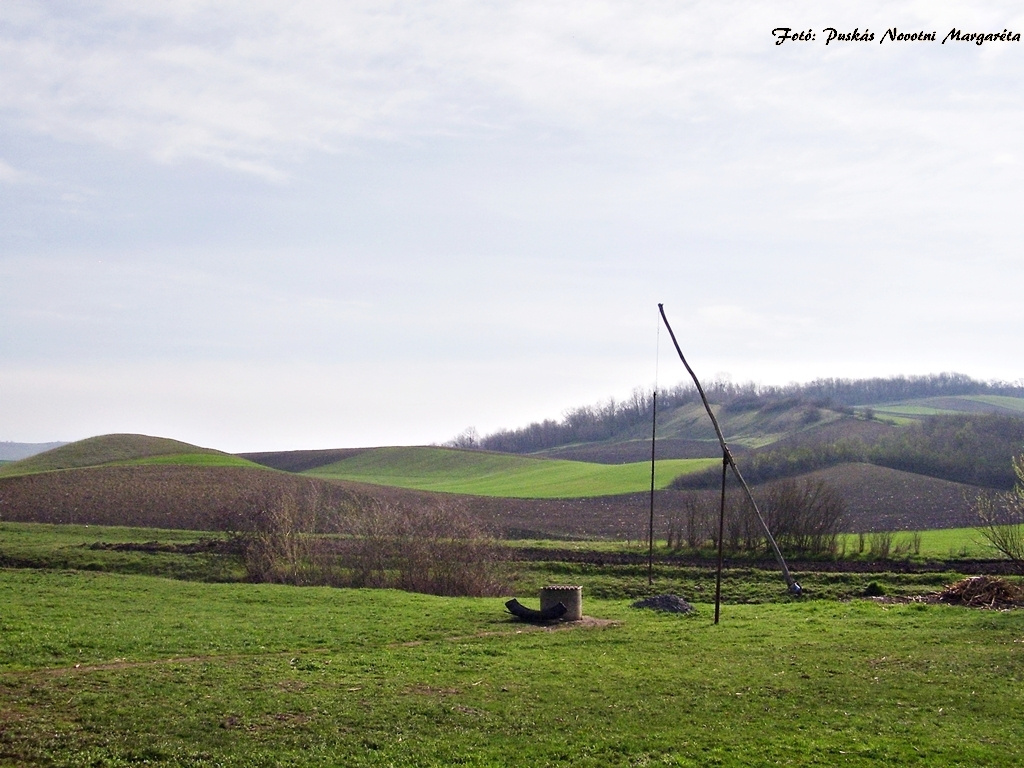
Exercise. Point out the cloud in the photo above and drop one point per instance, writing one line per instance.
(11, 175)
(252, 86)
(498, 193)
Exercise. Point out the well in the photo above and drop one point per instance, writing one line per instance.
(570, 597)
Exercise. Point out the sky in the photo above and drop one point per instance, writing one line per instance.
(261, 225)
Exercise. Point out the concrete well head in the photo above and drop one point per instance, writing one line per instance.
(570, 597)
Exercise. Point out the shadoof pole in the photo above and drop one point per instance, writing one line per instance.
(721, 541)
(650, 528)
(727, 459)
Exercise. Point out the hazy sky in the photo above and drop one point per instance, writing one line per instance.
(267, 225)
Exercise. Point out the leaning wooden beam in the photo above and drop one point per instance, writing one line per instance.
(794, 587)
(520, 611)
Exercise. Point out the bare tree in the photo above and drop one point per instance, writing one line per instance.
(1001, 518)
(805, 517)
(468, 439)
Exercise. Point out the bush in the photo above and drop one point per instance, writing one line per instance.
(1001, 518)
(282, 541)
(804, 517)
(436, 550)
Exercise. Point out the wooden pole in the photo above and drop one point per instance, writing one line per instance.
(650, 527)
(721, 538)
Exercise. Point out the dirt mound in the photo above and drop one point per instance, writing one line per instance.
(666, 603)
(983, 592)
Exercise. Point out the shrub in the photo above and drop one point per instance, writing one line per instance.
(436, 550)
(804, 517)
(1001, 518)
(874, 589)
(880, 543)
(281, 542)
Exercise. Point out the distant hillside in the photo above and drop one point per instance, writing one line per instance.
(945, 426)
(974, 449)
(120, 449)
(15, 451)
(751, 416)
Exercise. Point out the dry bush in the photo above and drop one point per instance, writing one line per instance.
(436, 549)
(695, 524)
(1001, 519)
(283, 541)
(983, 592)
(439, 550)
(804, 517)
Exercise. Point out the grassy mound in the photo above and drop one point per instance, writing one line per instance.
(107, 450)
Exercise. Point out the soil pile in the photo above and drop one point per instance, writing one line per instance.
(983, 592)
(667, 603)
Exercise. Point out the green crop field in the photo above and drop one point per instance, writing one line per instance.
(101, 669)
(491, 474)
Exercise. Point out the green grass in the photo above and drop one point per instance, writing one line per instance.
(94, 548)
(915, 411)
(940, 544)
(947, 544)
(492, 474)
(107, 670)
(747, 579)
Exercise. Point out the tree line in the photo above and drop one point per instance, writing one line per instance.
(610, 418)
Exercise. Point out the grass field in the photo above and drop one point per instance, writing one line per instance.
(941, 544)
(491, 474)
(108, 670)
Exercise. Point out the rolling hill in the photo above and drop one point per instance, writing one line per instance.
(901, 463)
(122, 449)
(477, 473)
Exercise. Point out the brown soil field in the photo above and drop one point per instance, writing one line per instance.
(301, 461)
(220, 498)
(194, 498)
(883, 499)
(877, 499)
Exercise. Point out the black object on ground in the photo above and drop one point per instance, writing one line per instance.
(520, 611)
